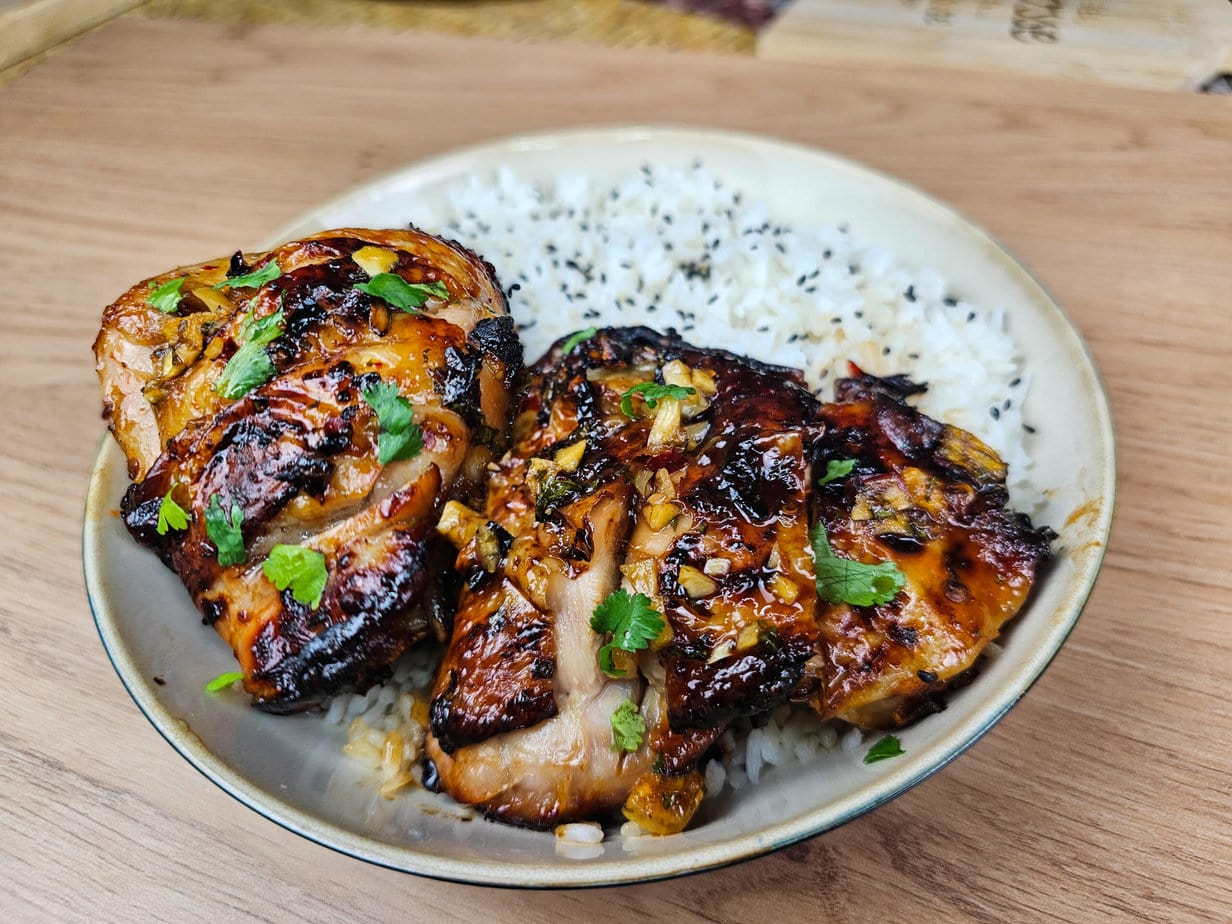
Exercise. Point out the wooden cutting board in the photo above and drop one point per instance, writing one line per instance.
(30, 26)
(1102, 796)
(1161, 44)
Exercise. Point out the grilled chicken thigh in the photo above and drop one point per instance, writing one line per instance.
(324, 396)
(695, 499)
(931, 499)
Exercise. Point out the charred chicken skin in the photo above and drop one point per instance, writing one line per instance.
(643, 465)
(252, 395)
(931, 499)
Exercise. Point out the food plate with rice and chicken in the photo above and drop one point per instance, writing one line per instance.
(593, 507)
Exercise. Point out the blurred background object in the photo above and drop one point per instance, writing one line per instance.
(1159, 44)
(28, 27)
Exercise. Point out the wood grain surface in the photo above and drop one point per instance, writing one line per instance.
(1103, 796)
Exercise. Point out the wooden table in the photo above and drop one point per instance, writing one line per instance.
(1105, 794)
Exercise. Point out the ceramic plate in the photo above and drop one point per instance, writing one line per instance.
(292, 770)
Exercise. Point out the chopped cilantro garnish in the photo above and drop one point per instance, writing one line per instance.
(652, 393)
(170, 514)
(884, 749)
(268, 273)
(628, 727)
(251, 366)
(632, 622)
(841, 580)
(166, 297)
(222, 681)
(398, 437)
(225, 532)
(403, 295)
(836, 469)
(580, 337)
(303, 570)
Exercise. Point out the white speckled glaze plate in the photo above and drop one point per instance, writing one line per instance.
(291, 769)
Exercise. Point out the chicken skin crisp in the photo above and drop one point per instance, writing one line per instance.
(696, 500)
(931, 499)
(713, 504)
(325, 396)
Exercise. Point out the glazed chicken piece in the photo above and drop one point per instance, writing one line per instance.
(931, 499)
(324, 396)
(696, 499)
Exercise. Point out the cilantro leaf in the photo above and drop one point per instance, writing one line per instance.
(403, 295)
(251, 366)
(301, 569)
(835, 470)
(653, 393)
(166, 297)
(580, 337)
(268, 273)
(170, 514)
(841, 580)
(225, 532)
(628, 727)
(632, 622)
(222, 681)
(884, 749)
(399, 437)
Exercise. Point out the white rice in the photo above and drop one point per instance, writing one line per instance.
(679, 247)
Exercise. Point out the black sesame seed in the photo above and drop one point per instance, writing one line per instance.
(1006, 405)
(1014, 383)
(950, 301)
(995, 412)
(910, 293)
(970, 316)
(1028, 428)
(885, 351)
(927, 676)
